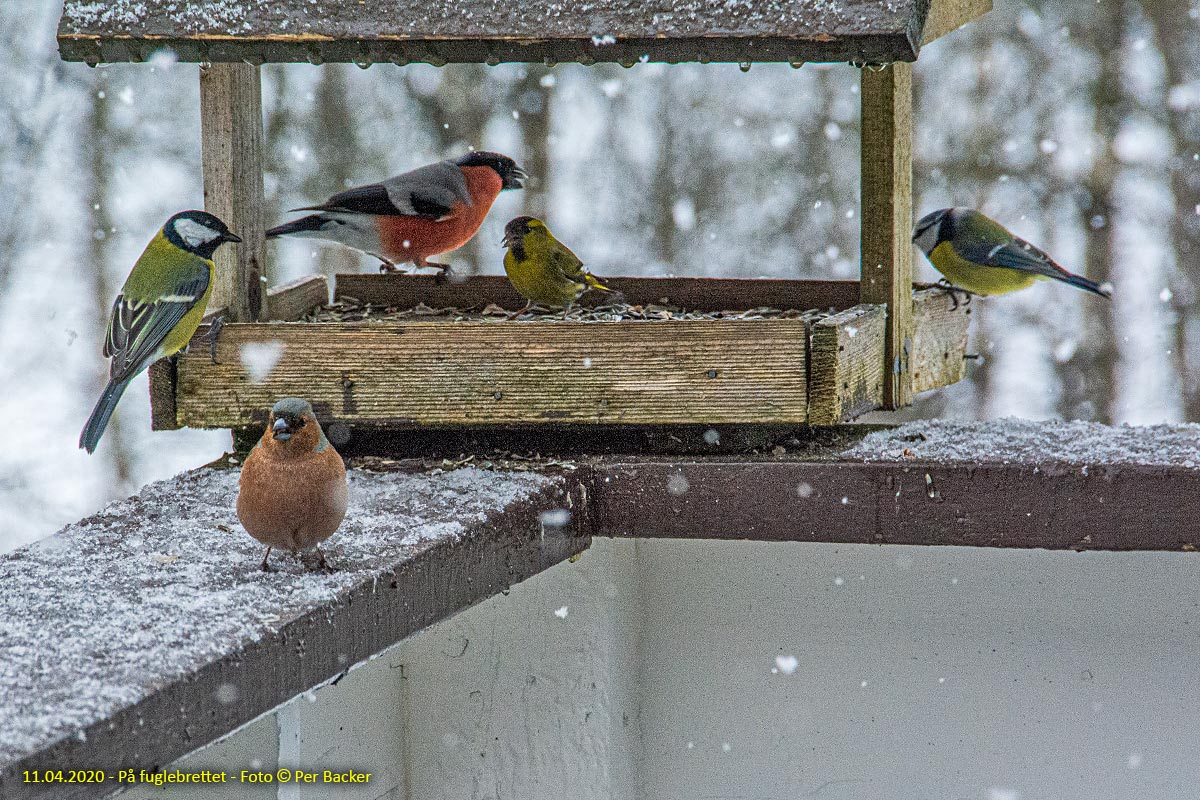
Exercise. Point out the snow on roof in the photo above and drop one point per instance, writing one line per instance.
(884, 30)
(1012, 440)
(126, 602)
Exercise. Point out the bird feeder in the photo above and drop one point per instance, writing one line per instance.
(876, 343)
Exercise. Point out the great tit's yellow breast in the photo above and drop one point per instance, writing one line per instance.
(182, 333)
(977, 278)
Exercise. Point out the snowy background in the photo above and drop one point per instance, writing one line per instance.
(1075, 123)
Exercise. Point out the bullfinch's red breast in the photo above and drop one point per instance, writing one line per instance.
(293, 492)
(408, 218)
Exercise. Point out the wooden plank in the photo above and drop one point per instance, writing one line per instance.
(286, 302)
(697, 294)
(231, 130)
(289, 301)
(886, 222)
(162, 396)
(947, 16)
(180, 639)
(939, 339)
(1130, 507)
(293, 300)
(479, 31)
(495, 373)
(844, 377)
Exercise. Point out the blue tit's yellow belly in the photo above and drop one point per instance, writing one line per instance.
(976, 278)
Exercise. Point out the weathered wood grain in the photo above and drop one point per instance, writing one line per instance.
(231, 131)
(286, 302)
(697, 294)
(478, 31)
(939, 339)
(845, 379)
(947, 16)
(887, 266)
(490, 373)
(292, 300)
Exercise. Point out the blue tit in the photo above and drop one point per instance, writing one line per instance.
(980, 255)
(160, 306)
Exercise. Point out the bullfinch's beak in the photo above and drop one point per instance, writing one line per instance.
(281, 430)
(516, 180)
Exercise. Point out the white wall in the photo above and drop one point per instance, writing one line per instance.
(989, 674)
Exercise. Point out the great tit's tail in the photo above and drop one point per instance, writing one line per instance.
(101, 414)
(1083, 283)
(310, 225)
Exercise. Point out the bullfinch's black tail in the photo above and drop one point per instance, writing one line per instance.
(101, 414)
(1083, 283)
(311, 224)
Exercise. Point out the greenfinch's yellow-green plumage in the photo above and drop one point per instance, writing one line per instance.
(980, 255)
(541, 268)
(160, 306)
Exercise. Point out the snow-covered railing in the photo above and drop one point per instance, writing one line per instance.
(147, 631)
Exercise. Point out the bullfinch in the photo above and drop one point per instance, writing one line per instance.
(408, 218)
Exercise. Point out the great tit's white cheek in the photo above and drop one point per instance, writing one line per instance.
(195, 234)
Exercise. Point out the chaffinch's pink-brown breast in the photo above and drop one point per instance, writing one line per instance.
(407, 238)
(291, 501)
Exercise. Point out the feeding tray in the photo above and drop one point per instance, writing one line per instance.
(850, 347)
(690, 351)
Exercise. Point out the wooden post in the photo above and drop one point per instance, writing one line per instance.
(231, 130)
(887, 217)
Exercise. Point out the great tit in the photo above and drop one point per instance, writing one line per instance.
(160, 306)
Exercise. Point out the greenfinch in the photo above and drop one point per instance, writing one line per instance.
(541, 268)
(980, 255)
(160, 306)
(292, 493)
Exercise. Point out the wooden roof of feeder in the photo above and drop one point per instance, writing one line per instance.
(485, 31)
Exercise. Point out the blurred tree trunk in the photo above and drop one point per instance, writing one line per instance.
(457, 111)
(278, 126)
(101, 148)
(663, 190)
(336, 146)
(1178, 37)
(531, 99)
(26, 120)
(1089, 377)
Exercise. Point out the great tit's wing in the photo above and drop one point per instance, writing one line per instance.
(138, 327)
(429, 192)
